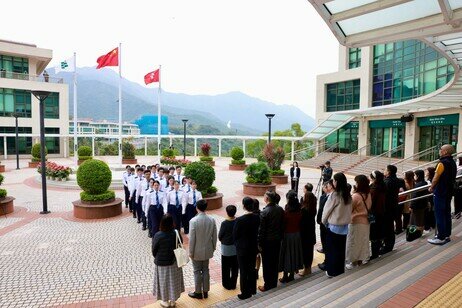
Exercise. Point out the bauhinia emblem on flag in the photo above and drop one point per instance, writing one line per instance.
(152, 77)
(65, 66)
(109, 59)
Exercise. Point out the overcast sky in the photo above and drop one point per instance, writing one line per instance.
(270, 49)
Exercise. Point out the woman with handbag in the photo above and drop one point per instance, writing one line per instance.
(168, 276)
(357, 247)
(378, 192)
(419, 206)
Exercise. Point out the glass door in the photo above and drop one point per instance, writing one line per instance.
(397, 140)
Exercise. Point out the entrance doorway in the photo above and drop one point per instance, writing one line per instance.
(436, 131)
(384, 139)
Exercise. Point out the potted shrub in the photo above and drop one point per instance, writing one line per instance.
(6, 202)
(128, 154)
(36, 157)
(2, 168)
(84, 152)
(258, 179)
(274, 157)
(96, 201)
(205, 157)
(237, 161)
(204, 175)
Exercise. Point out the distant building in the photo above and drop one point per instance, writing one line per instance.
(90, 127)
(21, 68)
(148, 124)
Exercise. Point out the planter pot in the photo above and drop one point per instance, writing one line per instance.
(214, 202)
(2, 168)
(280, 179)
(34, 164)
(257, 189)
(6, 205)
(237, 167)
(97, 210)
(130, 161)
(80, 161)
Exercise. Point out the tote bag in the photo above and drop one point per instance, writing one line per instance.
(181, 255)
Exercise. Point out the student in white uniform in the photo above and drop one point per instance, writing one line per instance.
(192, 197)
(141, 190)
(161, 178)
(178, 177)
(125, 177)
(171, 171)
(186, 186)
(155, 208)
(133, 182)
(170, 184)
(176, 204)
(154, 174)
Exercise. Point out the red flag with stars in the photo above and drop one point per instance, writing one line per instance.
(109, 59)
(152, 77)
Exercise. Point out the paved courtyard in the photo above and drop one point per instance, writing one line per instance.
(55, 259)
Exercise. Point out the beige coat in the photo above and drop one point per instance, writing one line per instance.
(202, 237)
(336, 212)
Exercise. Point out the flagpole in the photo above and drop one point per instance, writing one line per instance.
(75, 110)
(159, 122)
(120, 102)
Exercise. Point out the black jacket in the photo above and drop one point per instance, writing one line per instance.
(245, 234)
(163, 244)
(392, 185)
(322, 202)
(295, 174)
(226, 232)
(271, 224)
(421, 203)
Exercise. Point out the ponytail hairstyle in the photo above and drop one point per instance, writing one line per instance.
(341, 187)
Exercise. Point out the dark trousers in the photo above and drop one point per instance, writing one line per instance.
(389, 235)
(430, 218)
(294, 185)
(443, 216)
(132, 204)
(375, 248)
(189, 214)
(458, 201)
(398, 217)
(323, 232)
(270, 260)
(229, 270)
(176, 215)
(308, 250)
(247, 274)
(406, 220)
(139, 209)
(335, 253)
(127, 195)
(155, 214)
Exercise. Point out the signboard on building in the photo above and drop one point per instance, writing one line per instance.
(386, 123)
(445, 119)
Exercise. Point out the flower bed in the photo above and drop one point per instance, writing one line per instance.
(54, 171)
(174, 162)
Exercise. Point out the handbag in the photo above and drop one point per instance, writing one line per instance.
(370, 216)
(412, 233)
(181, 255)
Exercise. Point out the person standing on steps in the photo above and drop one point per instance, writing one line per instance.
(392, 186)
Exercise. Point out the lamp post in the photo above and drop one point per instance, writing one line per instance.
(41, 96)
(184, 138)
(269, 116)
(16, 143)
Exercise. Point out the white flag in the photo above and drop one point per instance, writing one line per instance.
(65, 66)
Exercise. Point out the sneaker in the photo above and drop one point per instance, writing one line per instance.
(436, 241)
(329, 276)
(349, 266)
(164, 304)
(365, 262)
(172, 303)
(425, 232)
(447, 240)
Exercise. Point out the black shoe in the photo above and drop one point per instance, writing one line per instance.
(144, 228)
(398, 232)
(150, 235)
(242, 296)
(139, 221)
(195, 295)
(322, 266)
(206, 294)
(134, 216)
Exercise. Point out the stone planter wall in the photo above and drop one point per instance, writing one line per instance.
(2, 168)
(257, 189)
(130, 161)
(6, 205)
(237, 167)
(280, 179)
(211, 163)
(97, 210)
(214, 202)
(34, 164)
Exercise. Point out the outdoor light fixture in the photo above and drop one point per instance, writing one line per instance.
(269, 116)
(184, 138)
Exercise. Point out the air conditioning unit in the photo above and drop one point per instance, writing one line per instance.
(407, 118)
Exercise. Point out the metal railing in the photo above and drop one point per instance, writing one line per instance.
(305, 153)
(415, 157)
(29, 77)
(432, 163)
(388, 154)
(361, 152)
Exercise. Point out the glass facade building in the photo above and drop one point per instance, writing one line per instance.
(344, 139)
(343, 95)
(354, 57)
(13, 100)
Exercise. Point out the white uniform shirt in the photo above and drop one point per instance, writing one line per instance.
(125, 177)
(170, 198)
(186, 188)
(168, 189)
(133, 182)
(142, 187)
(178, 177)
(190, 196)
(163, 183)
(150, 199)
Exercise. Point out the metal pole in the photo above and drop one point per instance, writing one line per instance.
(17, 143)
(159, 119)
(120, 103)
(269, 131)
(184, 140)
(42, 157)
(75, 111)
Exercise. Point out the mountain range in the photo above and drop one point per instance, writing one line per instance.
(98, 96)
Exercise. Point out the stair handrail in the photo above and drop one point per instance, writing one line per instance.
(354, 153)
(418, 155)
(330, 148)
(433, 162)
(311, 147)
(367, 162)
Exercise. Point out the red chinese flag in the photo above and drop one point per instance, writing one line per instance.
(152, 77)
(109, 59)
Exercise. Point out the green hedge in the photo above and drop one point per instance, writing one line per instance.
(1, 178)
(94, 176)
(128, 150)
(84, 152)
(36, 152)
(168, 153)
(108, 195)
(85, 157)
(277, 172)
(202, 173)
(238, 162)
(206, 158)
(3, 193)
(258, 173)
(237, 153)
(212, 190)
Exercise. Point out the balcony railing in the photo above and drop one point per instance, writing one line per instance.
(29, 77)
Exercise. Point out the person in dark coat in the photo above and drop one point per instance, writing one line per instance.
(419, 206)
(294, 177)
(378, 191)
(392, 185)
(245, 235)
(327, 188)
(308, 228)
(229, 265)
(430, 222)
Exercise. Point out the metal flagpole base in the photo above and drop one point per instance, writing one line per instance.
(45, 212)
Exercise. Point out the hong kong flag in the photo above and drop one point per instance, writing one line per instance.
(109, 59)
(152, 77)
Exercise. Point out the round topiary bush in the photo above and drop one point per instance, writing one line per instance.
(258, 173)
(94, 176)
(206, 158)
(237, 153)
(170, 153)
(202, 173)
(128, 150)
(2, 191)
(84, 152)
(36, 152)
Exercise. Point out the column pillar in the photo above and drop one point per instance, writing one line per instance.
(195, 147)
(219, 147)
(243, 146)
(145, 146)
(66, 147)
(292, 152)
(4, 148)
(93, 145)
